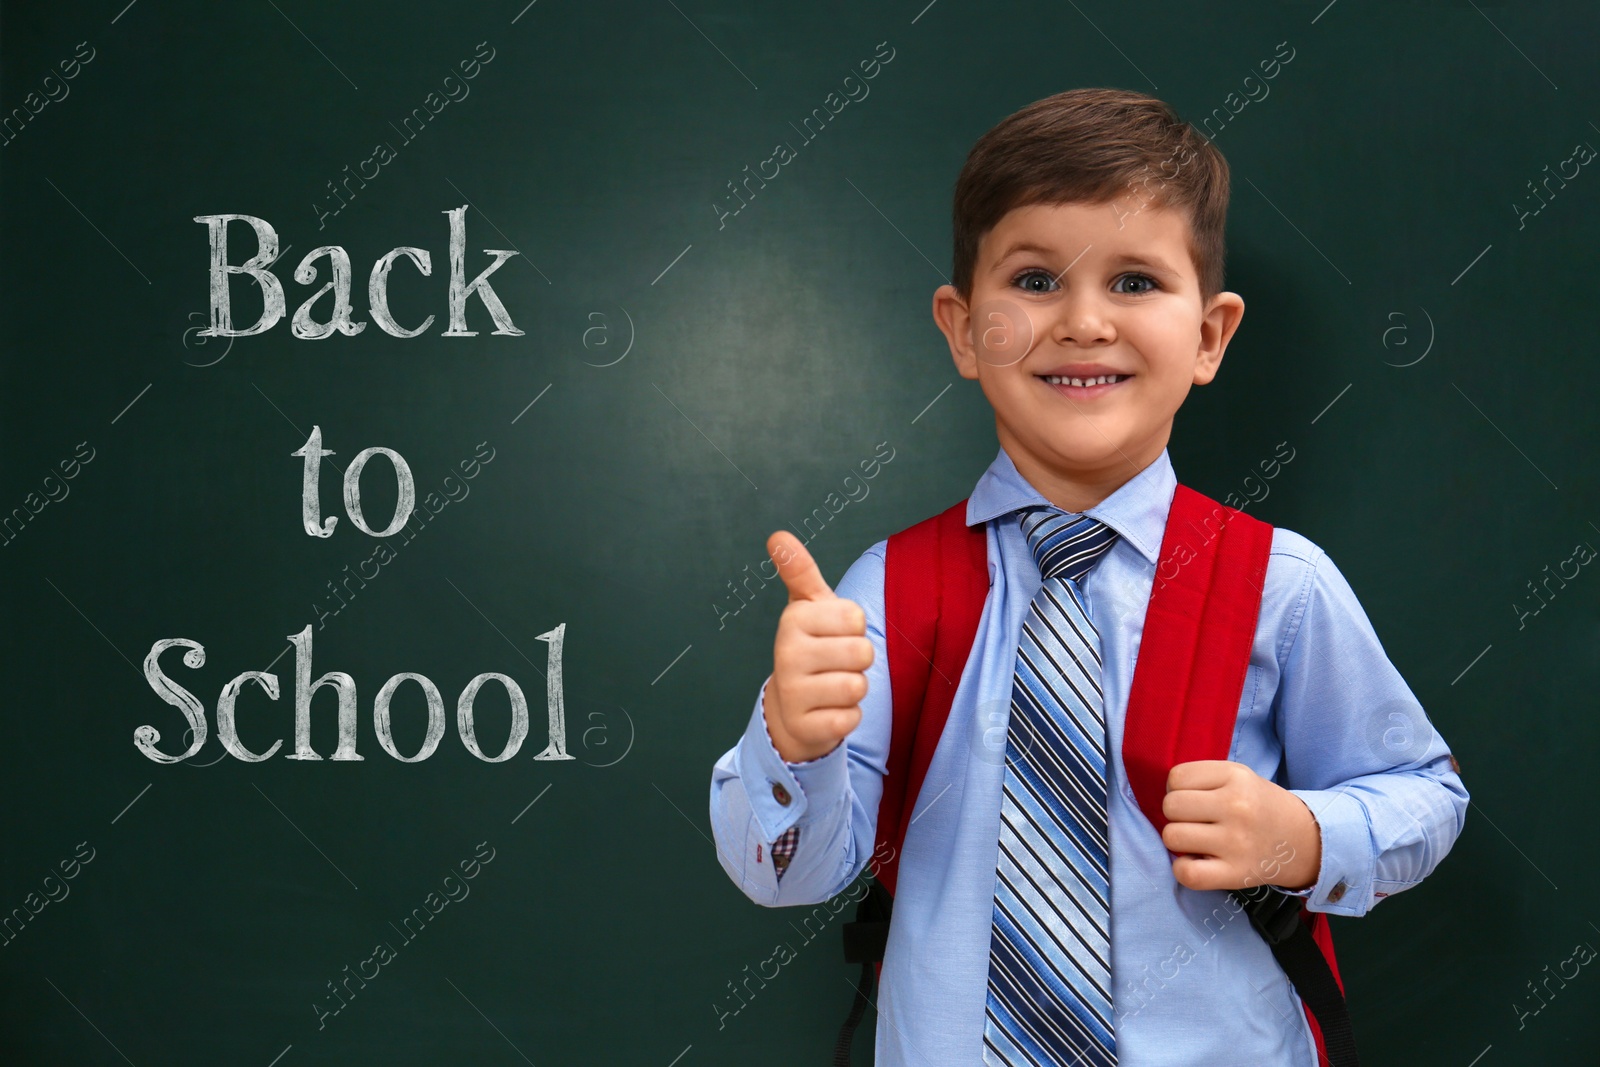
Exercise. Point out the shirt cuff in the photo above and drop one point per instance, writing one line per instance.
(783, 850)
(1344, 880)
(784, 794)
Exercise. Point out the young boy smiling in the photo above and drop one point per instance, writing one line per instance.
(1086, 300)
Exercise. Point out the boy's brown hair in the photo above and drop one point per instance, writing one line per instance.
(1096, 146)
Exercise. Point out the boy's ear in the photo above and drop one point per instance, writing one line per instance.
(954, 319)
(1217, 326)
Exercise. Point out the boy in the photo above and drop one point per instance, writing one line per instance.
(1088, 231)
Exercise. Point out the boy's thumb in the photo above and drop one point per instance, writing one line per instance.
(796, 567)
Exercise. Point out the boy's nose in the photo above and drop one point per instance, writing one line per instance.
(1082, 320)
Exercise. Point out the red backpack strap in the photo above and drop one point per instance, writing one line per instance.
(1199, 626)
(936, 579)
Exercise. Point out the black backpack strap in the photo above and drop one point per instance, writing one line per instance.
(864, 943)
(1276, 917)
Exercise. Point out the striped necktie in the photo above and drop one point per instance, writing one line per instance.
(1049, 995)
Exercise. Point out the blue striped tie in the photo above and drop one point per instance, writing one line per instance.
(1049, 997)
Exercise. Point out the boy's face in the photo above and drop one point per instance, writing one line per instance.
(1085, 290)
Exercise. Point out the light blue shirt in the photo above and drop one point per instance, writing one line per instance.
(1323, 713)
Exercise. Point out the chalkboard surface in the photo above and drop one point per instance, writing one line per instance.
(667, 362)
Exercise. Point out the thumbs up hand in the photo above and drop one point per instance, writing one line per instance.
(819, 659)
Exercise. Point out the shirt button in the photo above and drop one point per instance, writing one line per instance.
(1337, 892)
(780, 794)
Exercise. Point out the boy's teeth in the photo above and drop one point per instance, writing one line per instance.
(1055, 379)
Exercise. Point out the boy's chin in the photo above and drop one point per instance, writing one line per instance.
(1070, 460)
(1077, 454)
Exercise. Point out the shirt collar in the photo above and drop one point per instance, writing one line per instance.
(1137, 510)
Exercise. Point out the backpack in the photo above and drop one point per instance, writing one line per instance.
(935, 585)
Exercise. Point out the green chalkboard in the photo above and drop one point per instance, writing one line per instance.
(666, 373)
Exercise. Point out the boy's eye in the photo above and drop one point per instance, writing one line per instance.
(1034, 280)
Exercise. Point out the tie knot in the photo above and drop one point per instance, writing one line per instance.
(1065, 545)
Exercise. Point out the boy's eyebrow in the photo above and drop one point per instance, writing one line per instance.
(1149, 262)
(1127, 259)
(1023, 246)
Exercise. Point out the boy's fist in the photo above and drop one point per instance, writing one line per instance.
(819, 659)
(1237, 829)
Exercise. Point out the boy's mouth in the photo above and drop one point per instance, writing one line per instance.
(1083, 388)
